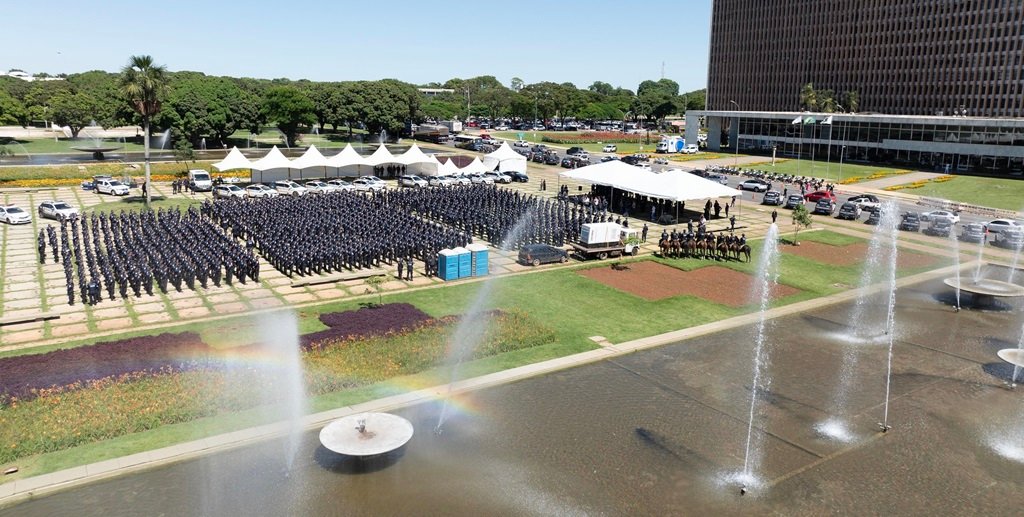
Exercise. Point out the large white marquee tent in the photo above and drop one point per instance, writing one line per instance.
(672, 185)
(313, 164)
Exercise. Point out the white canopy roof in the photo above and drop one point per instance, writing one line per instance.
(474, 167)
(380, 157)
(413, 155)
(674, 185)
(449, 168)
(505, 159)
(347, 156)
(234, 160)
(273, 160)
(311, 158)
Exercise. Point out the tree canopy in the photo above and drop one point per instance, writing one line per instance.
(288, 108)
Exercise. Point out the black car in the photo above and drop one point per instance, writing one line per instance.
(537, 254)
(973, 232)
(940, 228)
(848, 211)
(874, 218)
(519, 177)
(538, 156)
(824, 206)
(911, 222)
(551, 158)
(772, 197)
(575, 150)
(794, 200)
(1011, 238)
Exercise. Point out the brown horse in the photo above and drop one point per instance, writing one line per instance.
(739, 250)
(723, 250)
(666, 246)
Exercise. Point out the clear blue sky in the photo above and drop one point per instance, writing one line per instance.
(580, 41)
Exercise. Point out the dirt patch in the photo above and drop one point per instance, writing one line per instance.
(655, 281)
(852, 254)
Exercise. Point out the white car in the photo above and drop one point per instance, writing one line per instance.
(461, 179)
(225, 191)
(502, 127)
(374, 179)
(11, 214)
(481, 178)
(440, 181)
(259, 190)
(320, 187)
(609, 148)
(364, 184)
(341, 185)
(866, 202)
(940, 214)
(229, 179)
(112, 187)
(411, 180)
(498, 177)
(56, 210)
(520, 143)
(691, 149)
(754, 184)
(998, 225)
(290, 188)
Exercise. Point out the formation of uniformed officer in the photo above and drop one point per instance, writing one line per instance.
(316, 234)
(132, 251)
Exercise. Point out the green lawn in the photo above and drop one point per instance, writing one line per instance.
(820, 169)
(1005, 193)
(64, 145)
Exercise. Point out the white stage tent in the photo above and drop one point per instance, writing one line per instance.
(505, 159)
(673, 185)
(448, 168)
(311, 159)
(233, 161)
(417, 162)
(272, 167)
(474, 167)
(346, 163)
(380, 157)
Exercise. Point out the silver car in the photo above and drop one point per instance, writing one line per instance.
(11, 214)
(320, 187)
(56, 210)
(225, 191)
(341, 185)
(259, 190)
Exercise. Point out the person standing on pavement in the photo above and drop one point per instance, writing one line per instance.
(643, 233)
(775, 215)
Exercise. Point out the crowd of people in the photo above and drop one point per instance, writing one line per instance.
(506, 218)
(333, 232)
(133, 251)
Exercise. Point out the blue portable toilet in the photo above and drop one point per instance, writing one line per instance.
(479, 253)
(465, 262)
(448, 265)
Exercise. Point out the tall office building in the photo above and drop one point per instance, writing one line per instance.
(902, 57)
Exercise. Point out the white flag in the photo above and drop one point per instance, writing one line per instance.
(827, 120)
(797, 120)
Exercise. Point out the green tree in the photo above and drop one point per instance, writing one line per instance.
(288, 108)
(809, 97)
(12, 111)
(516, 84)
(826, 100)
(850, 100)
(75, 110)
(110, 108)
(601, 88)
(695, 100)
(184, 152)
(143, 83)
(801, 219)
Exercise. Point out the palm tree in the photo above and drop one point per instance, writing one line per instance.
(142, 85)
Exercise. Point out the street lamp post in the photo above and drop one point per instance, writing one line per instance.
(736, 152)
(842, 150)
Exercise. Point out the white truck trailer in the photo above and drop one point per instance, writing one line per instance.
(603, 240)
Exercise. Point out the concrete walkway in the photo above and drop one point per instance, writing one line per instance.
(21, 489)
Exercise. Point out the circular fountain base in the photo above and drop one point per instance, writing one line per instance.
(986, 291)
(366, 434)
(1014, 356)
(97, 152)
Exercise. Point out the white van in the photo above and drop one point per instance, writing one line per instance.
(199, 180)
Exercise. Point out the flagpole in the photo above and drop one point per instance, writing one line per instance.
(828, 166)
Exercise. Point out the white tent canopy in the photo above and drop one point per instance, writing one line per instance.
(272, 160)
(474, 167)
(348, 156)
(380, 157)
(233, 161)
(673, 185)
(311, 158)
(505, 160)
(417, 161)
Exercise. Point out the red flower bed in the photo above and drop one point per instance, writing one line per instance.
(597, 137)
(366, 322)
(20, 375)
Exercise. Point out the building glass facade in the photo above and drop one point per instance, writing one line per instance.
(909, 57)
